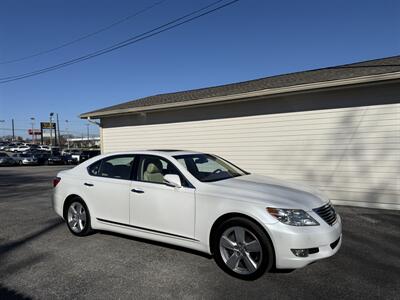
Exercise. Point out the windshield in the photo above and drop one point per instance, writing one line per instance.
(207, 168)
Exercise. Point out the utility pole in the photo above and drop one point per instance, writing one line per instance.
(66, 132)
(2, 121)
(58, 130)
(87, 127)
(51, 129)
(33, 128)
(13, 129)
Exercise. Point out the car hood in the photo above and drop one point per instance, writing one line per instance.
(272, 192)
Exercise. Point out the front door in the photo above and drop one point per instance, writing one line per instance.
(160, 208)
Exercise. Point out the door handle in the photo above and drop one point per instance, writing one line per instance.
(137, 191)
(88, 184)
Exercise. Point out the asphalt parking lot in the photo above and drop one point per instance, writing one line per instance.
(39, 258)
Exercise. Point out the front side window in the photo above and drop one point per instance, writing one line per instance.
(153, 168)
(207, 168)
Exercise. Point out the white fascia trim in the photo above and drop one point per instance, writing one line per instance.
(265, 92)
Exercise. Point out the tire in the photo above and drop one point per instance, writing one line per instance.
(77, 217)
(20, 163)
(242, 249)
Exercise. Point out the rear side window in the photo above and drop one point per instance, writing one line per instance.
(94, 169)
(118, 167)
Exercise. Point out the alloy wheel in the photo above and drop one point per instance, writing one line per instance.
(76, 217)
(240, 250)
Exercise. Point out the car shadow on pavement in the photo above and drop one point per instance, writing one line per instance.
(4, 248)
(6, 293)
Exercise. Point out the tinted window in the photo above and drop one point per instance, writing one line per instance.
(153, 168)
(94, 169)
(208, 168)
(117, 167)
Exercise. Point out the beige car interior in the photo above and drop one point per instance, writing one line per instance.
(153, 171)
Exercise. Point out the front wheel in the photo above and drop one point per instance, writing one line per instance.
(242, 248)
(78, 218)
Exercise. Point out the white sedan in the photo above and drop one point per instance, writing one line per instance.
(249, 223)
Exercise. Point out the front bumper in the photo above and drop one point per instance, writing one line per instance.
(323, 237)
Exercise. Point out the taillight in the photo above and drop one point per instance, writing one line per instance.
(56, 180)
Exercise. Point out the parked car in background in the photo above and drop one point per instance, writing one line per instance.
(6, 160)
(3, 145)
(41, 155)
(76, 155)
(69, 160)
(71, 151)
(25, 159)
(22, 148)
(87, 154)
(12, 147)
(33, 146)
(249, 223)
(44, 147)
(57, 159)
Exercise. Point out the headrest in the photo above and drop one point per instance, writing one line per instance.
(152, 168)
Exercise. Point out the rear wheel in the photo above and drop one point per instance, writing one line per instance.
(78, 218)
(242, 249)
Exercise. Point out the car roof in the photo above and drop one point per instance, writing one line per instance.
(160, 152)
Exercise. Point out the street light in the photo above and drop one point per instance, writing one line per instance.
(51, 128)
(33, 128)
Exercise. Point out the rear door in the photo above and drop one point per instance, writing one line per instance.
(108, 188)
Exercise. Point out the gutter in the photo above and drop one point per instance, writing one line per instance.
(259, 93)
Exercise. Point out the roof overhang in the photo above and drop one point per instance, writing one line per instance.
(247, 95)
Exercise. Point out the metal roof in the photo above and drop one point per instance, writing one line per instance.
(331, 75)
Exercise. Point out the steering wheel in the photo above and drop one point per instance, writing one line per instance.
(217, 171)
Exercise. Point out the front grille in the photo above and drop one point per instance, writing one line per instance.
(327, 213)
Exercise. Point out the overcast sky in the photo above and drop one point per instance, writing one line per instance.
(247, 40)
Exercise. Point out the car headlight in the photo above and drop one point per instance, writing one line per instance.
(293, 217)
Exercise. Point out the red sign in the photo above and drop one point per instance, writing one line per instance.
(35, 132)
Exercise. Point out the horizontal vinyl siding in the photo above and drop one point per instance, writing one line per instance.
(353, 154)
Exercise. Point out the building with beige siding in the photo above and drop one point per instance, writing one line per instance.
(337, 129)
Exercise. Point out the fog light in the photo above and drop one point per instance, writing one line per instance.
(300, 252)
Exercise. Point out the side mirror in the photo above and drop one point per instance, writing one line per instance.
(173, 180)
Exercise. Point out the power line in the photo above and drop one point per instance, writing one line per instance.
(134, 39)
(160, 29)
(86, 36)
